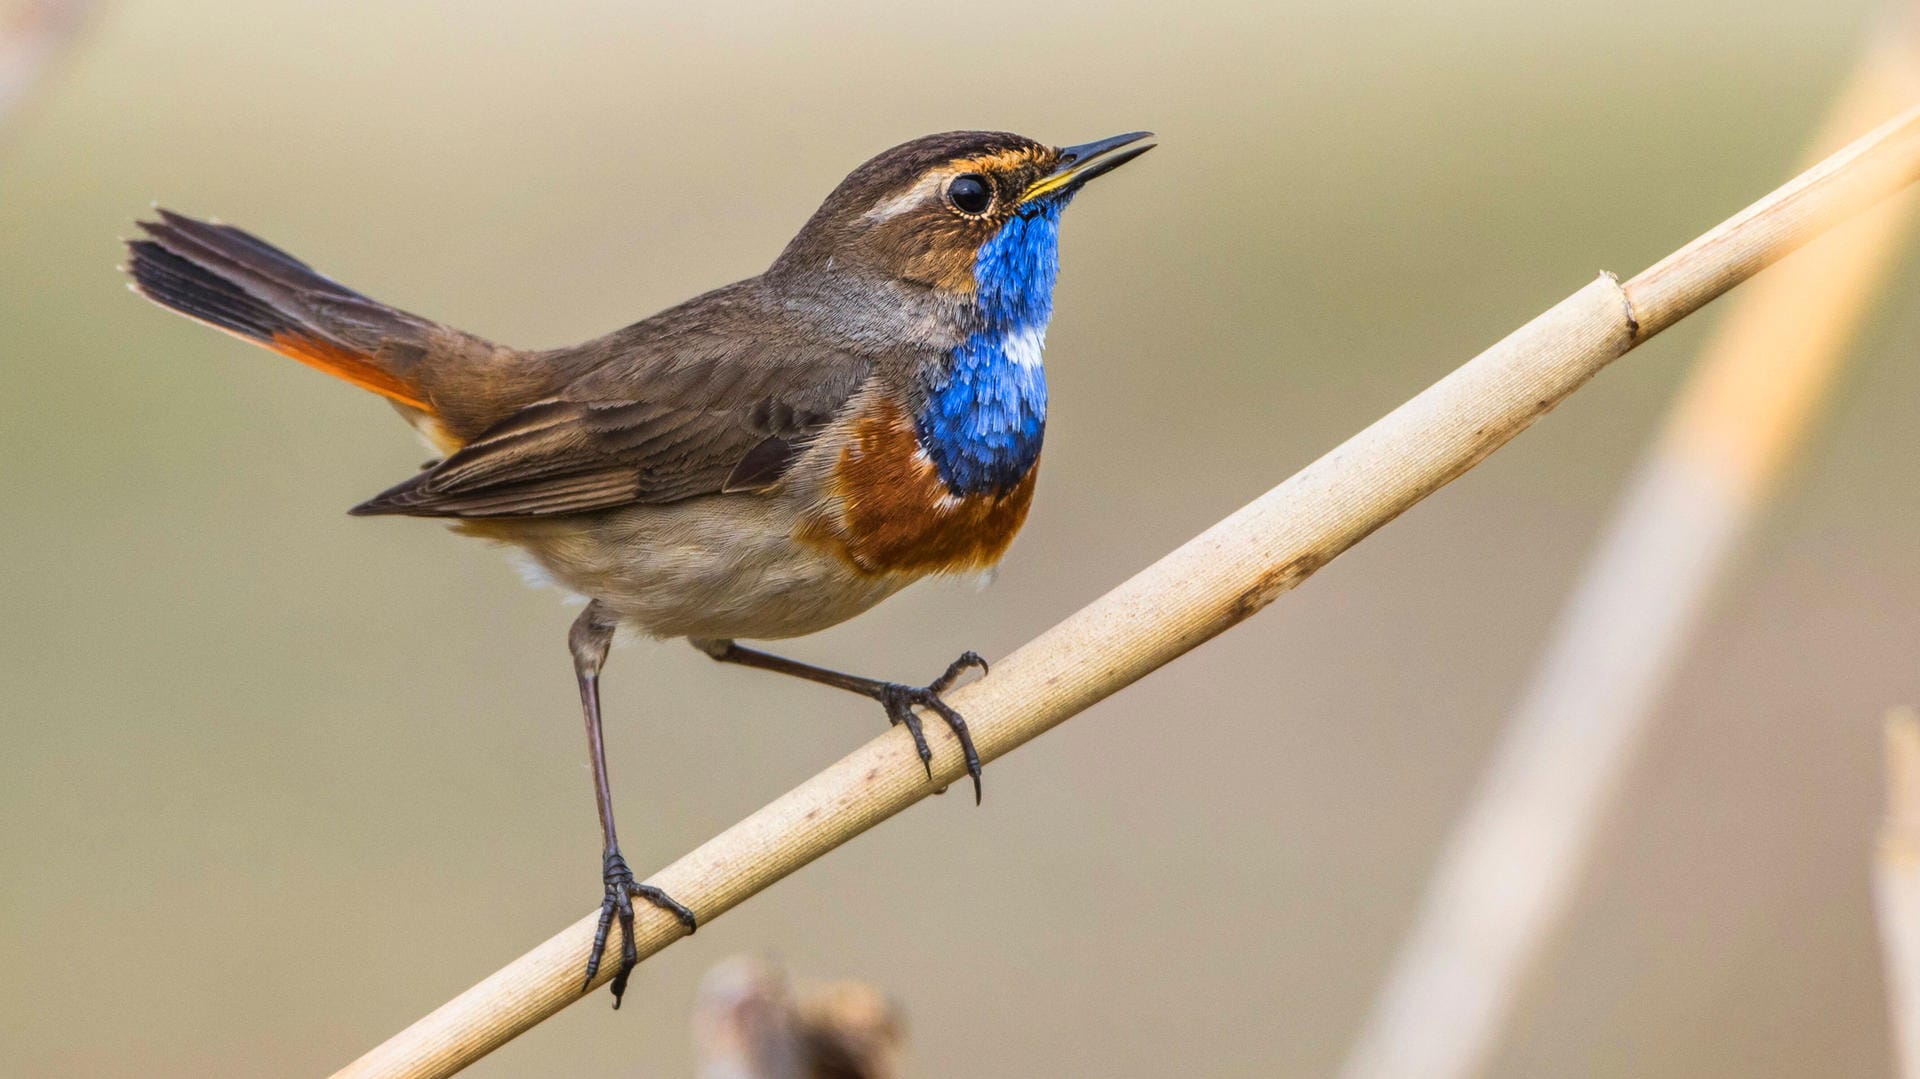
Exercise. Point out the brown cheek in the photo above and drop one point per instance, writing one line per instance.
(935, 248)
(945, 272)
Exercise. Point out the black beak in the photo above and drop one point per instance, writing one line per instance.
(1081, 163)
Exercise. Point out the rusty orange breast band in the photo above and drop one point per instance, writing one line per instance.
(891, 513)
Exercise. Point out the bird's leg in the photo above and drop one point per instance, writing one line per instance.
(899, 700)
(592, 633)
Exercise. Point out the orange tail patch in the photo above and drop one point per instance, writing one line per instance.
(349, 366)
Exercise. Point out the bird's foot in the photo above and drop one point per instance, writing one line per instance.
(618, 906)
(899, 701)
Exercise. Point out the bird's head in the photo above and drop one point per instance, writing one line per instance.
(974, 214)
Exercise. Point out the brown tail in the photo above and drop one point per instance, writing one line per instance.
(234, 281)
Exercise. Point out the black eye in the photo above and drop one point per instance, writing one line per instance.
(970, 194)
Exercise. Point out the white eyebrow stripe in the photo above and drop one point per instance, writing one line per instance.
(895, 205)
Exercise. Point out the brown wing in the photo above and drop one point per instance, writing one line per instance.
(726, 424)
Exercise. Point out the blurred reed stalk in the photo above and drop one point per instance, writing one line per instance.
(1896, 887)
(750, 1023)
(1201, 589)
(1509, 873)
(37, 34)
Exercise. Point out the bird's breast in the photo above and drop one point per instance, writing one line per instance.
(888, 510)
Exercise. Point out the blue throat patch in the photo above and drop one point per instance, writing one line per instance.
(987, 411)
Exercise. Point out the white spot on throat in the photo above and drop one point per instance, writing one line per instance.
(1022, 345)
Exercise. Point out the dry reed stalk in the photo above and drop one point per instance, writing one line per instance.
(1896, 887)
(38, 34)
(749, 1022)
(1508, 875)
(1204, 587)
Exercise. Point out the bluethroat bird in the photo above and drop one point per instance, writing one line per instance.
(763, 461)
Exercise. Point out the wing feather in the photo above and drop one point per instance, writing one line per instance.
(733, 422)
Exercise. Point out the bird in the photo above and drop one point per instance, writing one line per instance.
(763, 461)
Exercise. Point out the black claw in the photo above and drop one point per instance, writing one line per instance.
(959, 727)
(599, 945)
(669, 904)
(899, 701)
(618, 906)
(957, 668)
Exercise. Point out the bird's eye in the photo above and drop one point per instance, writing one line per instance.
(970, 193)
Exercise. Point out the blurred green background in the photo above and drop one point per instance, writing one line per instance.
(274, 783)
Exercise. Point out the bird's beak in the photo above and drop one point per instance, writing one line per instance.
(1081, 163)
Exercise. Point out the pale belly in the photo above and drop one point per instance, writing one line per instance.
(862, 516)
(719, 567)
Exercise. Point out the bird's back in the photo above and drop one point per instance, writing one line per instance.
(717, 395)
